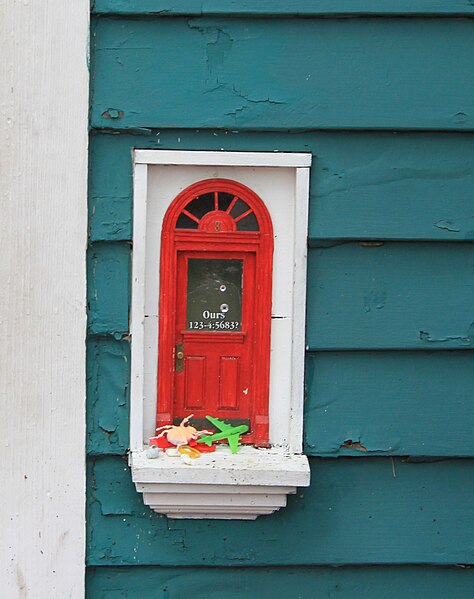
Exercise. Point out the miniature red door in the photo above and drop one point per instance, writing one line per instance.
(215, 308)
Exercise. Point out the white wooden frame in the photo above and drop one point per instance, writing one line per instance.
(282, 181)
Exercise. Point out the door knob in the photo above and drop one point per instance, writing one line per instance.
(179, 362)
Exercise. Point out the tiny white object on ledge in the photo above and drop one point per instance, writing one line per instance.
(152, 452)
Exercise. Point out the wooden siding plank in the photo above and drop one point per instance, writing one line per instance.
(363, 185)
(284, 73)
(397, 403)
(392, 296)
(108, 388)
(419, 402)
(392, 186)
(110, 188)
(377, 510)
(269, 583)
(108, 288)
(282, 7)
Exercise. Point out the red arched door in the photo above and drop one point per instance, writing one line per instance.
(215, 308)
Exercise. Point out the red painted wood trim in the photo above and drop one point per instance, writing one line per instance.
(237, 218)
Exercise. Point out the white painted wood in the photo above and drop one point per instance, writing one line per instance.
(222, 501)
(250, 466)
(200, 488)
(137, 320)
(194, 158)
(43, 227)
(299, 300)
(184, 516)
(220, 485)
(277, 188)
(203, 512)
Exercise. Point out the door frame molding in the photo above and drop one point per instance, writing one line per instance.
(290, 220)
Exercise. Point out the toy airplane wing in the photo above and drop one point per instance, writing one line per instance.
(227, 431)
(220, 424)
(233, 441)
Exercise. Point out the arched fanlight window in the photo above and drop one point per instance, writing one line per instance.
(217, 211)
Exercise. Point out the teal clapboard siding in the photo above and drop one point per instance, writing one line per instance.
(305, 73)
(271, 583)
(386, 106)
(108, 288)
(419, 403)
(371, 185)
(389, 403)
(267, 8)
(108, 387)
(393, 296)
(357, 511)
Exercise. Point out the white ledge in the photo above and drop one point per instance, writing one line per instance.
(205, 158)
(220, 485)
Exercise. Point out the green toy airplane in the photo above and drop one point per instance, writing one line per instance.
(231, 433)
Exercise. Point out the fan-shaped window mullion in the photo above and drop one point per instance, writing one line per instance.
(232, 204)
(195, 213)
(241, 216)
(191, 216)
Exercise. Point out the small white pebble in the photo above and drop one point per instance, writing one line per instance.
(152, 452)
(172, 452)
(186, 460)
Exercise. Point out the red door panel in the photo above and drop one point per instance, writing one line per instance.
(194, 383)
(229, 383)
(215, 322)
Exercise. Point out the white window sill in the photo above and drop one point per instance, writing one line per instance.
(220, 485)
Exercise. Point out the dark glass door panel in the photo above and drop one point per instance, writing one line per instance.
(214, 295)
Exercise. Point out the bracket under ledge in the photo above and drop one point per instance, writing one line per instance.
(220, 485)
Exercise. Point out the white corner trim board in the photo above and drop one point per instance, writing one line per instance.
(43, 228)
(254, 481)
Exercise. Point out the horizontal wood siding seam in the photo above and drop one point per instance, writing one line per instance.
(393, 296)
(281, 8)
(419, 403)
(364, 185)
(373, 511)
(371, 582)
(279, 74)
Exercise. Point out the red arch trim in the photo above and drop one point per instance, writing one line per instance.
(214, 186)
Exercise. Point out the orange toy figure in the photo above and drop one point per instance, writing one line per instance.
(181, 435)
